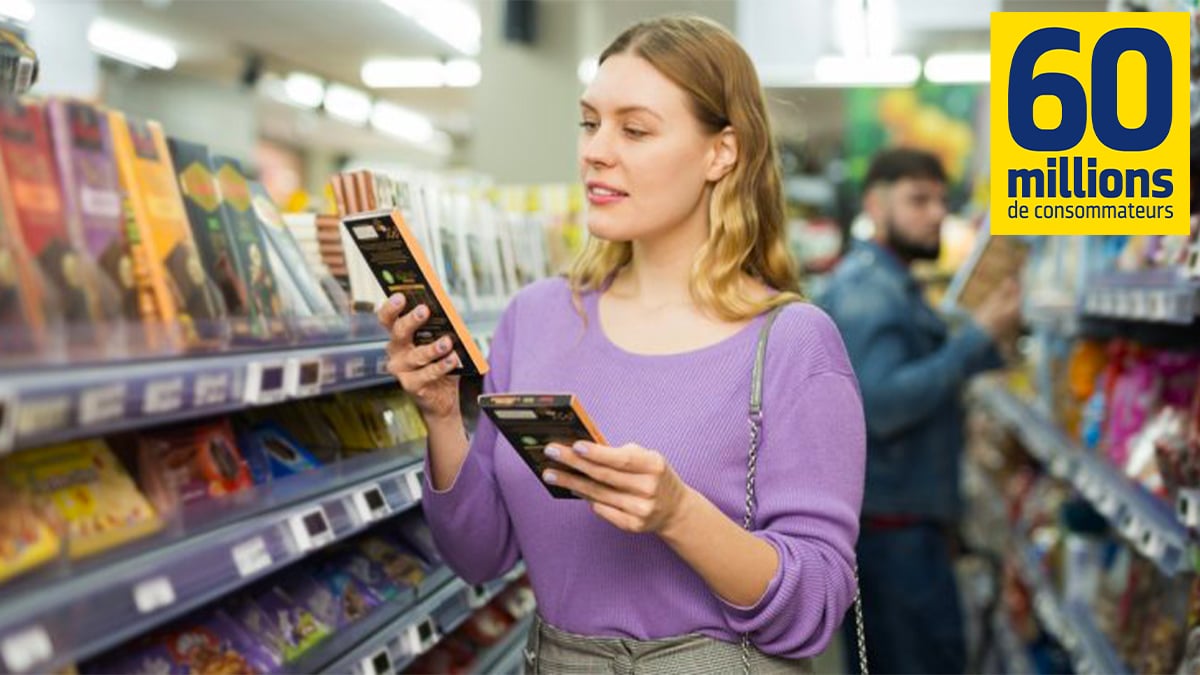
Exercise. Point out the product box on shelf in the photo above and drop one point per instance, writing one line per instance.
(325, 319)
(402, 566)
(91, 193)
(40, 220)
(183, 292)
(249, 250)
(272, 452)
(25, 307)
(193, 463)
(84, 493)
(26, 539)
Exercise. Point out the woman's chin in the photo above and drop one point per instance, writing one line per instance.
(606, 229)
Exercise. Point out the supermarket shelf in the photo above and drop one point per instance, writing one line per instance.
(1148, 523)
(67, 614)
(404, 633)
(54, 404)
(1073, 626)
(507, 656)
(1160, 296)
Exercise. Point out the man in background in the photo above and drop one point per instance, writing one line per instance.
(911, 369)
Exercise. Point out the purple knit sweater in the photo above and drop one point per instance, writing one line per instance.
(593, 579)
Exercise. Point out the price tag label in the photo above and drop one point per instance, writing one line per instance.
(1187, 505)
(210, 389)
(303, 377)
(1151, 544)
(311, 529)
(381, 365)
(265, 382)
(163, 396)
(378, 664)
(371, 504)
(421, 636)
(416, 484)
(251, 556)
(8, 419)
(354, 368)
(153, 594)
(1131, 528)
(44, 414)
(1108, 504)
(477, 596)
(102, 404)
(26, 649)
(329, 371)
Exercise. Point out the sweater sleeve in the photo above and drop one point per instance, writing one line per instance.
(809, 486)
(470, 520)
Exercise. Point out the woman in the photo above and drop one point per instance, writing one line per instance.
(655, 330)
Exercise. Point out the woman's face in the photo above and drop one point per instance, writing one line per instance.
(644, 157)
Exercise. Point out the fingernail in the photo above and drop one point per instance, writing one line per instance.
(580, 449)
(553, 452)
(550, 477)
(397, 300)
(451, 363)
(443, 345)
(422, 312)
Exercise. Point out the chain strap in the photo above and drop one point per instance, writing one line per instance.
(756, 418)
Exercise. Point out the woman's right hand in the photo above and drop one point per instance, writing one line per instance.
(423, 371)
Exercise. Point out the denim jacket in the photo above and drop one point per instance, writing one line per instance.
(911, 369)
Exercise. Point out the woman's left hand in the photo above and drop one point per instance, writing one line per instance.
(631, 487)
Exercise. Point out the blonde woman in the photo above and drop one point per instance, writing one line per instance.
(655, 329)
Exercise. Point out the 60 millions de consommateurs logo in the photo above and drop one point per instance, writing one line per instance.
(1090, 123)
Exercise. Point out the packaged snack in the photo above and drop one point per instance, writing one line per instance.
(287, 626)
(84, 494)
(403, 567)
(270, 448)
(23, 306)
(26, 540)
(352, 599)
(214, 644)
(487, 626)
(367, 572)
(147, 656)
(184, 465)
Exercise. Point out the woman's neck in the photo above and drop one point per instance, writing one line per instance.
(659, 272)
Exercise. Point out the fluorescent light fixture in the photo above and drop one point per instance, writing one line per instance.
(401, 122)
(963, 67)
(588, 67)
(452, 21)
(304, 90)
(835, 71)
(850, 23)
(881, 27)
(397, 73)
(347, 104)
(21, 10)
(131, 46)
(462, 73)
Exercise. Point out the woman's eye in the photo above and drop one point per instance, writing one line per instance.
(588, 125)
(634, 133)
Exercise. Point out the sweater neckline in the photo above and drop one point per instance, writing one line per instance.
(595, 332)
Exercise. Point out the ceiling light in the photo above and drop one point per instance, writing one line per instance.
(304, 90)
(452, 21)
(881, 27)
(389, 73)
(21, 10)
(835, 71)
(345, 103)
(401, 122)
(850, 22)
(964, 67)
(131, 46)
(588, 67)
(462, 73)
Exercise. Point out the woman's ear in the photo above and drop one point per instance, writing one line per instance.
(724, 156)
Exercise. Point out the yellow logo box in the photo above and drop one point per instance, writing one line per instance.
(1090, 123)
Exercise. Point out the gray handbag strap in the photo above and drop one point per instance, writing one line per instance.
(756, 420)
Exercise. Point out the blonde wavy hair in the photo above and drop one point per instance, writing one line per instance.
(746, 213)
